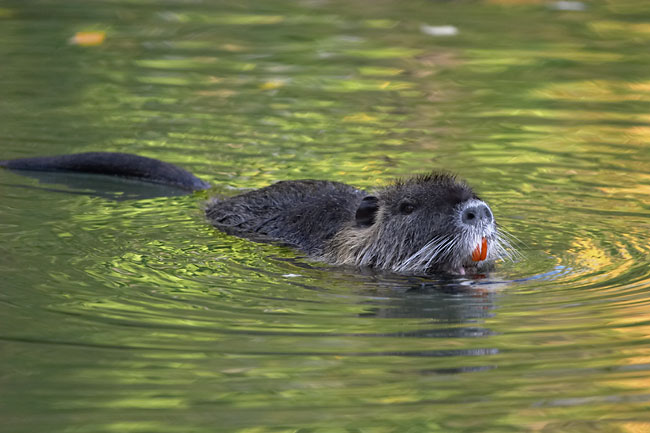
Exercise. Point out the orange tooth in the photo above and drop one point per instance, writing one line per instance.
(480, 253)
(476, 254)
(484, 249)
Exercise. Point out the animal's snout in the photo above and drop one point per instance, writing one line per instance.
(476, 214)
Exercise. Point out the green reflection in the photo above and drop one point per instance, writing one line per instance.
(137, 316)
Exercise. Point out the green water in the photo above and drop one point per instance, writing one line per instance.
(134, 315)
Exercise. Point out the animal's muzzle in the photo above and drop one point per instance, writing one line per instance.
(476, 214)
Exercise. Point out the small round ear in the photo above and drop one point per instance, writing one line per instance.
(365, 216)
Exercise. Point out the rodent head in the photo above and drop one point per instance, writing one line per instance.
(424, 224)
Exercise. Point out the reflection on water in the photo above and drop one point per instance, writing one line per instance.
(125, 311)
(100, 186)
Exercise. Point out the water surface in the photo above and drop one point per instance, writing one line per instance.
(124, 311)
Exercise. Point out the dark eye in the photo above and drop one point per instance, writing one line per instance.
(406, 208)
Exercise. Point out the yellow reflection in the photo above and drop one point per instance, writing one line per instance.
(272, 85)
(135, 426)
(641, 131)
(577, 115)
(88, 39)
(221, 93)
(237, 19)
(637, 190)
(380, 24)
(589, 255)
(636, 427)
(385, 52)
(186, 63)
(233, 48)
(364, 85)
(359, 117)
(596, 90)
(376, 70)
(621, 28)
(148, 402)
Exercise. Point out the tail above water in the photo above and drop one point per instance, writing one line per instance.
(113, 164)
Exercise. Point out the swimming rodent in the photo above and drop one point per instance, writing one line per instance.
(422, 225)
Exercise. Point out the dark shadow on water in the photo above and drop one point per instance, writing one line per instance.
(445, 302)
(448, 306)
(106, 187)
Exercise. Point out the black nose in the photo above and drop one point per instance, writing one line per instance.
(476, 215)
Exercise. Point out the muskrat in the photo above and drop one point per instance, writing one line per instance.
(425, 224)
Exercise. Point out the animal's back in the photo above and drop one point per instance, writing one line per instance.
(304, 213)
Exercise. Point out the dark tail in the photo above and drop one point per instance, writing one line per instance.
(114, 164)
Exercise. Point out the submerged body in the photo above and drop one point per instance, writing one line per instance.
(426, 224)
